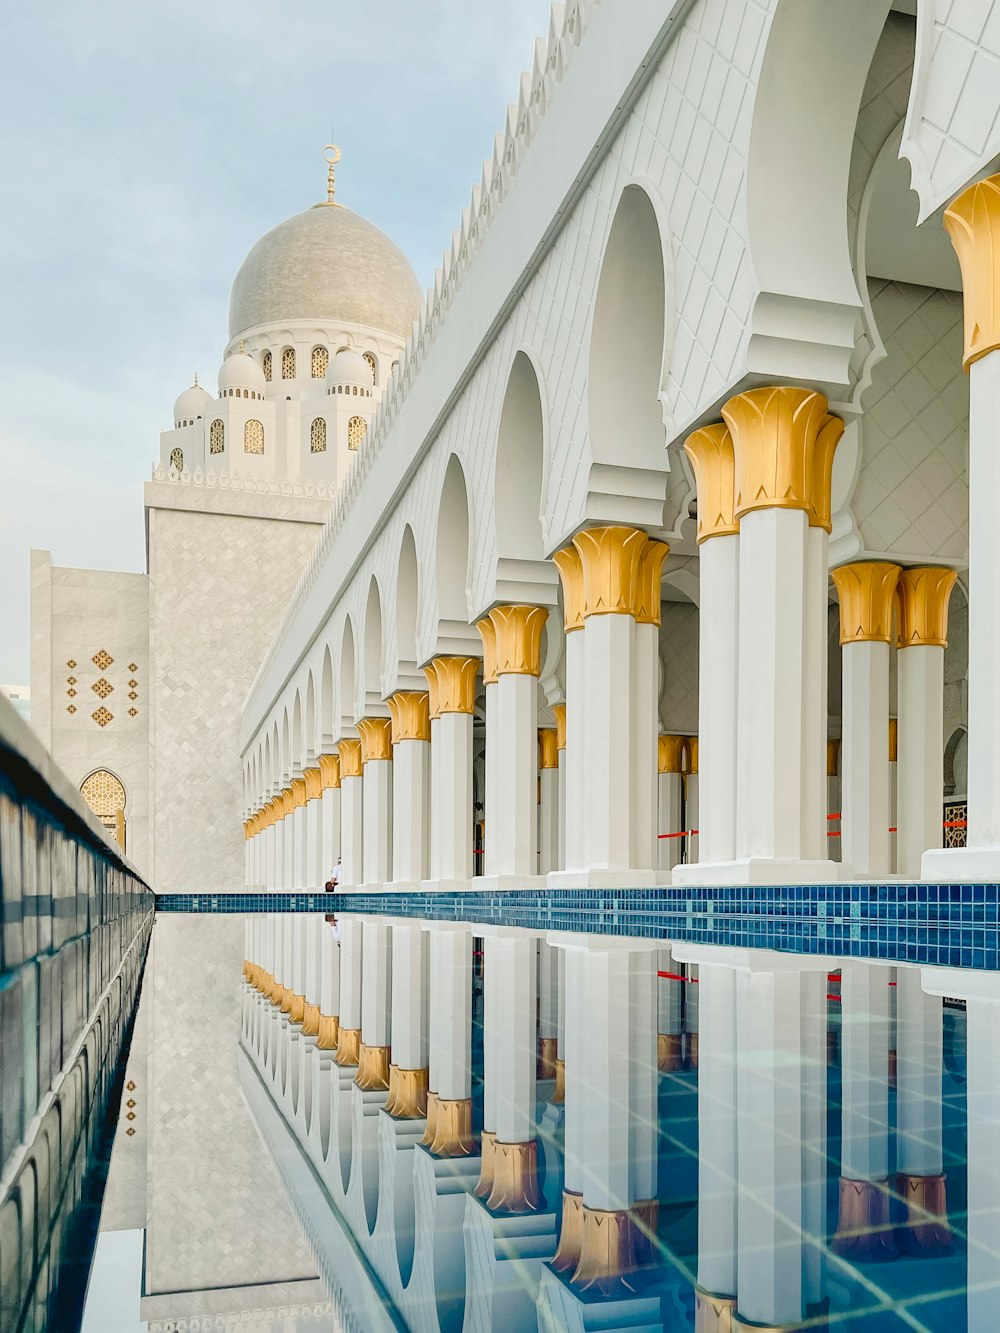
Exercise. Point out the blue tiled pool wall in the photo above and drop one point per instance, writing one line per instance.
(948, 925)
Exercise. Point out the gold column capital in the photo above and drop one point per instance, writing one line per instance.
(373, 1068)
(287, 801)
(713, 461)
(411, 716)
(650, 580)
(452, 682)
(973, 223)
(559, 711)
(570, 568)
(348, 1046)
(328, 1032)
(329, 768)
(611, 557)
(488, 634)
(893, 739)
(247, 830)
(453, 1128)
(548, 748)
(867, 591)
(518, 639)
(350, 758)
(314, 783)
(514, 1187)
(310, 1020)
(713, 1313)
(607, 1250)
(784, 439)
(376, 738)
(832, 758)
(670, 753)
(407, 1099)
(923, 606)
(298, 793)
(691, 754)
(567, 1255)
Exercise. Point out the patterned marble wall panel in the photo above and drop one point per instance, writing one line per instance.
(679, 675)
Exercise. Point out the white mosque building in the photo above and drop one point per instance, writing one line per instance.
(139, 678)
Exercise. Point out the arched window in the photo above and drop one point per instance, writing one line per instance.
(267, 366)
(357, 429)
(288, 363)
(216, 437)
(371, 364)
(105, 795)
(253, 438)
(177, 459)
(320, 362)
(317, 436)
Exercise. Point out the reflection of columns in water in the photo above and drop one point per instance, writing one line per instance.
(314, 929)
(351, 946)
(548, 1009)
(329, 988)
(670, 754)
(863, 1229)
(376, 999)
(669, 1027)
(575, 1048)
(376, 760)
(351, 813)
(452, 682)
(548, 800)
(645, 705)
(692, 800)
(449, 1114)
(408, 1072)
(329, 767)
(920, 1180)
(571, 718)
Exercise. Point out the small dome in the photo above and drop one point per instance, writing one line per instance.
(349, 367)
(241, 371)
(191, 403)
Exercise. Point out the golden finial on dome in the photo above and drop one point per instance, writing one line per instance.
(332, 155)
(241, 346)
(196, 379)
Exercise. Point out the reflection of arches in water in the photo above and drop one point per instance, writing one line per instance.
(105, 794)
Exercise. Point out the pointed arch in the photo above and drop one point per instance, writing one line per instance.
(286, 748)
(407, 600)
(453, 547)
(347, 681)
(519, 469)
(310, 743)
(326, 700)
(373, 647)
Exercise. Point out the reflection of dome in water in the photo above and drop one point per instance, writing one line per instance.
(326, 264)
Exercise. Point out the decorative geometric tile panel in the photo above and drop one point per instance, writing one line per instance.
(102, 688)
(102, 660)
(102, 717)
(71, 708)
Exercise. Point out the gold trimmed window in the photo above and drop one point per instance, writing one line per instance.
(105, 795)
(357, 429)
(253, 438)
(371, 364)
(288, 363)
(216, 437)
(177, 459)
(267, 362)
(320, 362)
(317, 436)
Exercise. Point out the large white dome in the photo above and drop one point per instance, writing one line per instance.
(330, 265)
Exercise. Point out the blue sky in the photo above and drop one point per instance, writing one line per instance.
(147, 148)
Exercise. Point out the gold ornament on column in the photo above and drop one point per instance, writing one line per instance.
(832, 758)
(648, 608)
(567, 1254)
(611, 558)
(670, 753)
(570, 568)
(518, 639)
(488, 634)
(298, 793)
(545, 1065)
(515, 1178)
(348, 1046)
(558, 1097)
(923, 606)
(607, 1250)
(867, 592)
(314, 783)
(784, 440)
(350, 758)
(411, 716)
(690, 754)
(329, 768)
(548, 749)
(297, 1007)
(328, 1033)
(711, 453)
(373, 1068)
(310, 1020)
(973, 223)
(559, 712)
(893, 739)
(376, 738)
(487, 1162)
(407, 1098)
(452, 682)
(453, 1128)
(431, 1114)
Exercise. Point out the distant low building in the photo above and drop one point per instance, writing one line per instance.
(20, 697)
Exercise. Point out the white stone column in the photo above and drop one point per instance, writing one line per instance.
(376, 761)
(411, 759)
(670, 1016)
(314, 825)
(300, 834)
(670, 782)
(491, 717)
(281, 841)
(645, 727)
(572, 720)
(449, 1117)
(408, 1072)
(717, 1136)
(548, 1008)
(815, 691)
(923, 635)
(867, 591)
(973, 222)
(515, 636)
(574, 1047)
(376, 1005)
(452, 682)
(548, 800)
(329, 854)
(560, 715)
(352, 830)
(692, 803)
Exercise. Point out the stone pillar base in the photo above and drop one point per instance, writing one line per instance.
(328, 1031)
(546, 1067)
(925, 1232)
(567, 1254)
(607, 1251)
(669, 1052)
(864, 1231)
(453, 1128)
(713, 1313)
(559, 1092)
(310, 1020)
(757, 870)
(488, 1144)
(407, 1098)
(348, 1046)
(373, 1068)
(515, 1178)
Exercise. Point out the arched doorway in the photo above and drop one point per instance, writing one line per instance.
(105, 794)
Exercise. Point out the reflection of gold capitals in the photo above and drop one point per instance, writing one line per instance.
(518, 639)
(350, 758)
(570, 568)
(669, 1052)
(314, 783)
(711, 453)
(329, 767)
(407, 1098)
(488, 634)
(559, 1091)
(452, 684)
(867, 591)
(453, 1128)
(670, 754)
(411, 716)
(923, 606)
(548, 748)
(348, 1046)
(328, 1032)
(373, 1068)
(487, 1164)
(567, 1255)
(515, 1178)
(431, 1127)
(559, 712)
(376, 738)
(611, 558)
(973, 223)
(783, 442)
(607, 1250)
(713, 1313)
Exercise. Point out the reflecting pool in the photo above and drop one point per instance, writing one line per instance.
(366, 1122)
